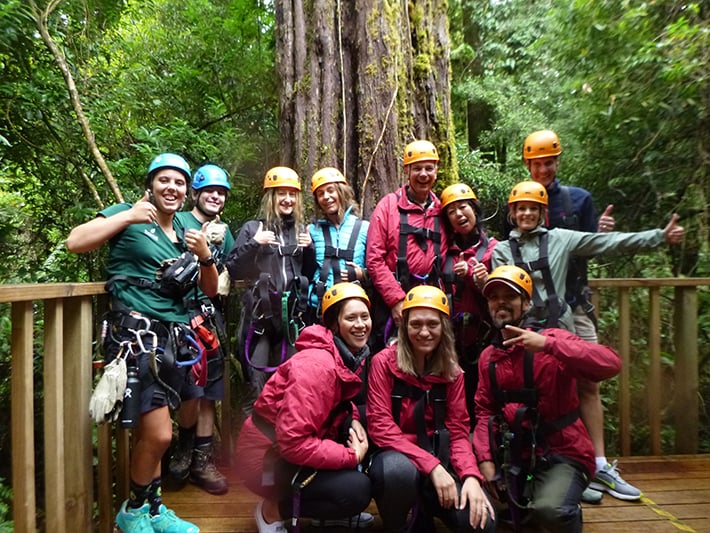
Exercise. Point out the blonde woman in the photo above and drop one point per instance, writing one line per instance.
(274, 253)
(416, 414)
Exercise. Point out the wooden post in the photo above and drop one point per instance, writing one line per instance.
(653, 390)
(23, 435)
(78, 334)
(686, 370)
(54, 415)
(624, 380)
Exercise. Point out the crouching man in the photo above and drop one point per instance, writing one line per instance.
(533, 449)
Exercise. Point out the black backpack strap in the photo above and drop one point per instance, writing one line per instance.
(349, 254)
(551, 307)
(570, 220)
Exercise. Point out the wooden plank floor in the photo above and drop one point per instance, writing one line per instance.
(676, 498)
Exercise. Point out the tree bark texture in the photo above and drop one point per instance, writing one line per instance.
(359, 79)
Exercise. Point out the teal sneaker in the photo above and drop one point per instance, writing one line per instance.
(168, 522)
(134, 520)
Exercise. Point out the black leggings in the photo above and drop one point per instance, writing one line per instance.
(331, 494)
(398, 486)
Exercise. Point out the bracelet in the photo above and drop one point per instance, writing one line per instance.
(207, 262)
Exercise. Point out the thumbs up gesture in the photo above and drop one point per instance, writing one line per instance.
(673, 233)
(197, 243)
(606, 221)
(143, 211)
(264, 237)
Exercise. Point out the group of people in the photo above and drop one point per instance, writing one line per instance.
(373, 350)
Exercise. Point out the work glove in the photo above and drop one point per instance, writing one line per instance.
(107, 398)
(215, 232)
(224, 283)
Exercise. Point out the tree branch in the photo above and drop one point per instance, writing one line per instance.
(41, 19)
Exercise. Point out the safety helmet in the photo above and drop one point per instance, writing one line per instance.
(326, 175)
(514, 277)
(458, 191)
(168, 160)
(420, 151)
(543, 143)
(528, 191)
(343, 291)
(210, 176)
(426, 296)
(282, 177)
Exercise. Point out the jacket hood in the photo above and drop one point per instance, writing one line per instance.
(320, 338)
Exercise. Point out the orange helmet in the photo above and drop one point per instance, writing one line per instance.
(543, 143)
(326, 175)
(458, 191)
(512, 276)
(528, 191)
(282, 177)
(426, 296)
(420, 151)
(343, 291)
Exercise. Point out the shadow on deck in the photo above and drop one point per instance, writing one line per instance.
(676, 498)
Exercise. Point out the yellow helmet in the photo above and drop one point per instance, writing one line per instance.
(528, 191)
(543, 143)
(426, 296)
(282, 177)
(343, 291)
(512, 276)
(420, 151)
(326, 175)
(458, 191)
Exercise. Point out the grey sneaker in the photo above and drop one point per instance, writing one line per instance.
(361, 521)
(609, 480)
(204, 473)
(592, 496)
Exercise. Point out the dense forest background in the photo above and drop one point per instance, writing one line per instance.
(623, 82)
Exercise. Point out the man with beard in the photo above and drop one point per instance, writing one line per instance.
(529, 439)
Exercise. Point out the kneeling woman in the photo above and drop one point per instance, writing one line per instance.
(416, 413)
(301, 447)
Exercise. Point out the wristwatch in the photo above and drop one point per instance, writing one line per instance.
(207, 262)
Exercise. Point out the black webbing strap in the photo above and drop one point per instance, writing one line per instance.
(550, 308)
(332, 256)
(527, 395)
(422, 237)
(435, 396)
(450, 280)
(569, 220)
(138, 282)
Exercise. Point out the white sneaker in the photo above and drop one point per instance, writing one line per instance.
(359, 521)
(263, 526)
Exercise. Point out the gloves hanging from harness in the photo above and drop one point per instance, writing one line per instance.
(107, 398)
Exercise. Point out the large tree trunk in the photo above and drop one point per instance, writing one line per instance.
(359, 80)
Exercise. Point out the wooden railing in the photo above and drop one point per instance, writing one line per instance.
(64, 354)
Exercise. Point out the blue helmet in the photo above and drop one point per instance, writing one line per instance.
(210, 176)
(168, 160)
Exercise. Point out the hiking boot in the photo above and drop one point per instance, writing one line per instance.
(179, 466)
(204, 473)
(168, 522)
(608, 479)
(134, 520)
(359, 521)
(592, 496)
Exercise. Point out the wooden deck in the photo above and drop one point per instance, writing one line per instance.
(676, 498)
